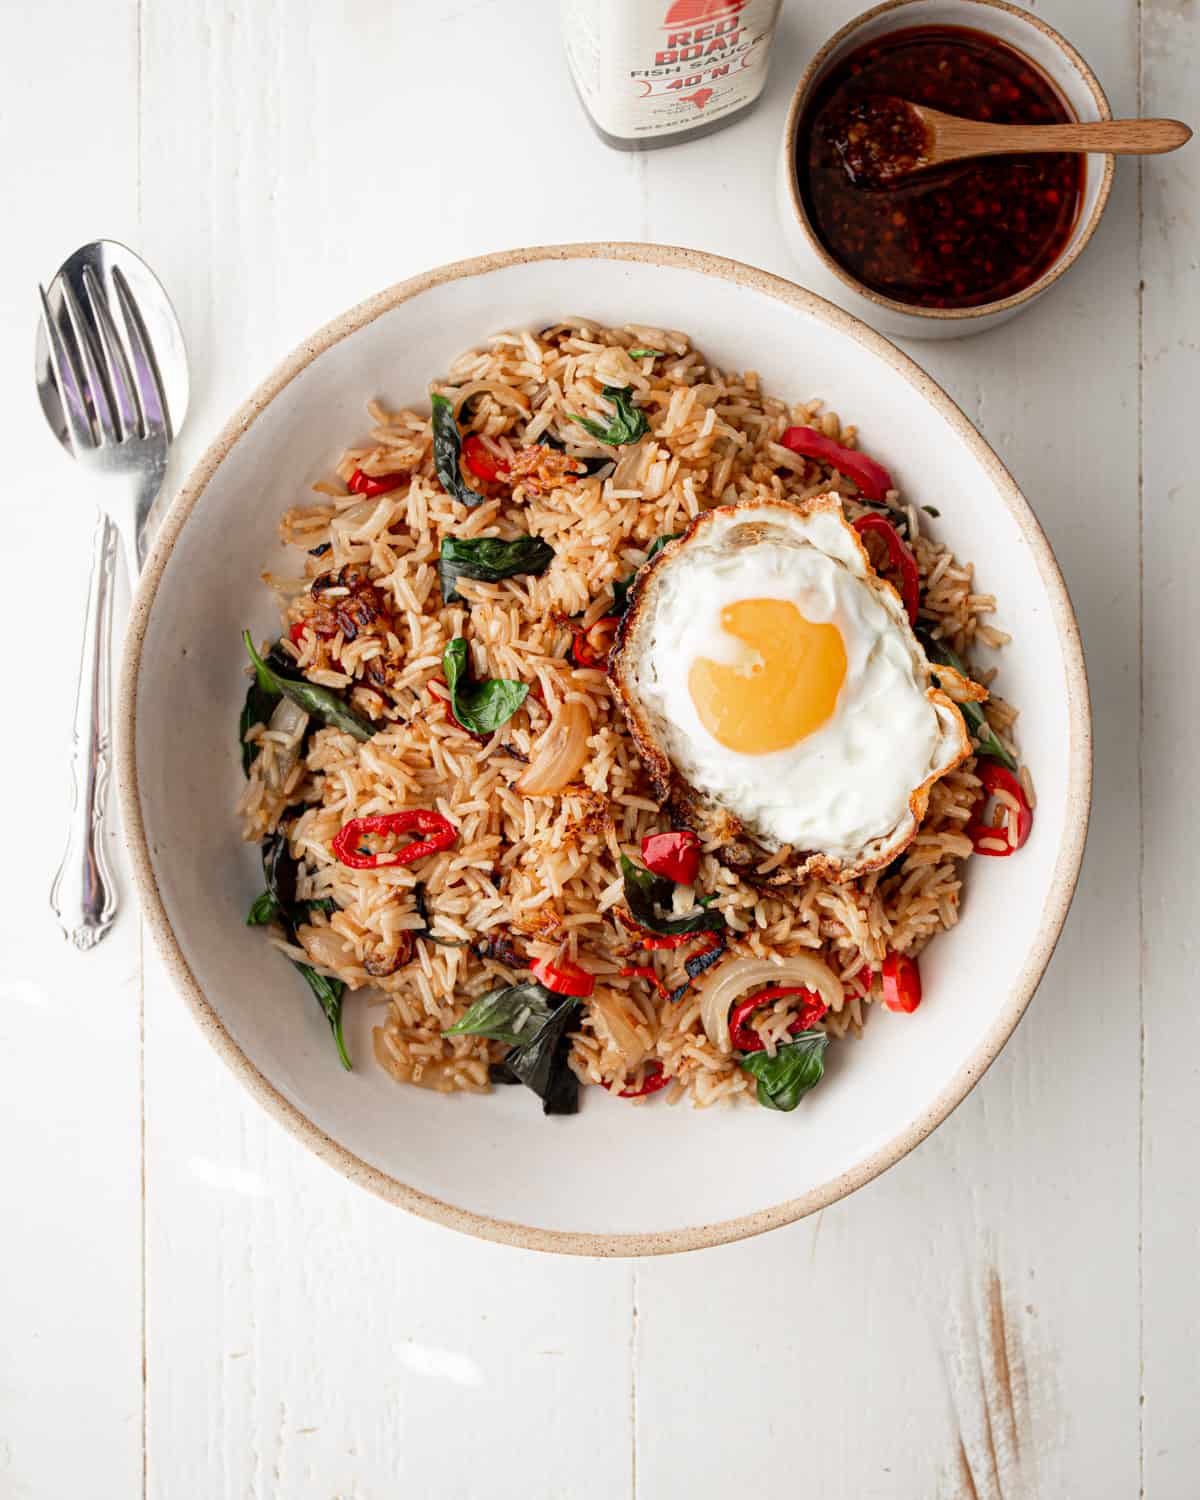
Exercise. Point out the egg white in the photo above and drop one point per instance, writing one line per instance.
(849, 786)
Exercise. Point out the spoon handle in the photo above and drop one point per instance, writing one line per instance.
(1122, 137)
(84, 895)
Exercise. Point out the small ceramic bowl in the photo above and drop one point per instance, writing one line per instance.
(617, 1178)
(1029, 34)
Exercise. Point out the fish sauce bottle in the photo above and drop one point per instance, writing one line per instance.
(655, 72)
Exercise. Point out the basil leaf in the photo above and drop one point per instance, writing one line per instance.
(489, 559)
(646, 892)
(480, 707)
(513, 1013)
(329, 993)
(644, 353)
(447, 453)
(797, 1067)
(623, 585)
(280, 871)
(987, 742)
(534, 1023)
(627, 425)
(329, 707)
(541, 1063)
(324, 904)
(257, 709)
(265, 909)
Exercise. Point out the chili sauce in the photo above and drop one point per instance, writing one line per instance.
(961, 235)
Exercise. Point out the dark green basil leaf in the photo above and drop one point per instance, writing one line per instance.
(480, 707)
(542, 1065)
(324, 904)
(623, 585)
(644, 353)
(329, 993)
(645, 895)
(280, 871)
(329, 707)
(257, 709)
(627, 425)
(488, 559)
(797, 1067)
(265, 909)
(534, 1023)
(985, 736)
(447, 453)
(513, 1013)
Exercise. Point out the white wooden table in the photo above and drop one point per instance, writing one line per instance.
(190, 1305)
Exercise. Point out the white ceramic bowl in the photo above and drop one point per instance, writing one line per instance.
(616, 1179)
(1028, 34)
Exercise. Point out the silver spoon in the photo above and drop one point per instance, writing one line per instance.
(112, 378)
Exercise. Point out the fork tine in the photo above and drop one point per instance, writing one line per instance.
(66, 378)
(120, 382)
(97, 390)
(153, 403)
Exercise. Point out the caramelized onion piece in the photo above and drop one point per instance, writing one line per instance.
(738, 976)
(615, 1010)
(326, 947)
(559, 754)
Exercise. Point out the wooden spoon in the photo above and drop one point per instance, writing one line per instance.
(886, 138)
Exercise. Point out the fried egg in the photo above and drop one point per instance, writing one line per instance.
(777, 693)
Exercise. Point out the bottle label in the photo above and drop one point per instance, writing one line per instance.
(650, 68)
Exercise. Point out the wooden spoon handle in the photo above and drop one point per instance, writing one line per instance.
(956, 138)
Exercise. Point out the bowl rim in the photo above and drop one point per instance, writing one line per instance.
(1066, 867)
(909, 309)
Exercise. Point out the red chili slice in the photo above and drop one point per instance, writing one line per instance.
(480, 459)
(901, 983)
(371, 485)
(901, 559)
(675, 855)
(590, 647)
(563, 977)
(746, 1039)
(872, 479)
(657, 942)
(441, 834)
(998, 778)
(297, 630)
(655, 1079)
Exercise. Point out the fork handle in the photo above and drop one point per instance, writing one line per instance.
(84, 895)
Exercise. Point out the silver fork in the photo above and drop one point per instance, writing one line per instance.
(115, 422)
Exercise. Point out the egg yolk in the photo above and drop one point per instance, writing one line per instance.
(787, 686)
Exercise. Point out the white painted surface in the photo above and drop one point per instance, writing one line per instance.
(276, 163)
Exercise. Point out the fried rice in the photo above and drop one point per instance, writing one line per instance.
(538, 877)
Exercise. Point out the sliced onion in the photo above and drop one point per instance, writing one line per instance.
(326, 947)
(559, 754)
(625, 1039)
(735, 977)
(289, 720)
(629, 467)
